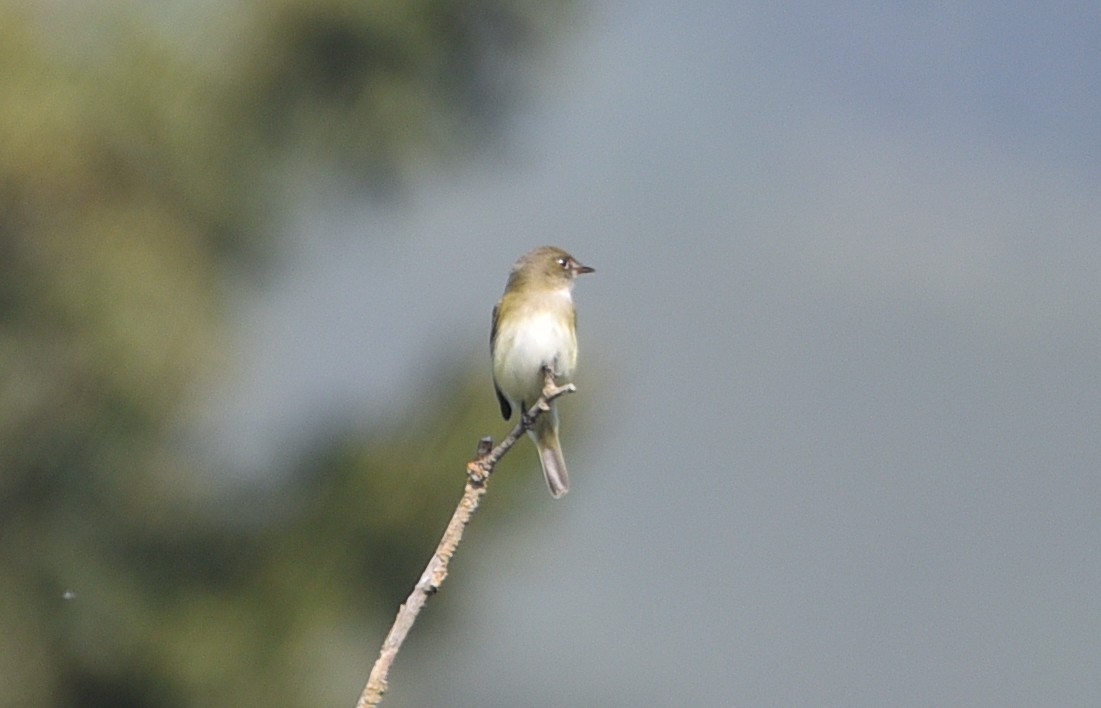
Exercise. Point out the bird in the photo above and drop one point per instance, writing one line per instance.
(535, 330)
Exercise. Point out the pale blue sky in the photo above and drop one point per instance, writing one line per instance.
(841, 352)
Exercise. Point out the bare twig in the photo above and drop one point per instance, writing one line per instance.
(478, 472)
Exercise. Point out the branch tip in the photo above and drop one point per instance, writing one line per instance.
(484, 446)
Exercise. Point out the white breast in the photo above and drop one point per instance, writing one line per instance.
(537, 337)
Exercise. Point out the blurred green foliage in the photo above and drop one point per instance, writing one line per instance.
(141, 145)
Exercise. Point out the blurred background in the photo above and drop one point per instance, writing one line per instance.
(836, 440)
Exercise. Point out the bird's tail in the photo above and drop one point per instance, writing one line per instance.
(545, 435)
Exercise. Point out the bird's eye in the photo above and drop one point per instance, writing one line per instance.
(564, 262)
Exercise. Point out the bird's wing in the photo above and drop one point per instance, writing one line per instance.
(506, 407)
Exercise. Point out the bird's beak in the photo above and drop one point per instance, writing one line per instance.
(579, 269)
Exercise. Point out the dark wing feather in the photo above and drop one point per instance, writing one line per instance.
(493, 329)
(506, 407)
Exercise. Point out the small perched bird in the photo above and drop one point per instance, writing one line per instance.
(535, 326)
